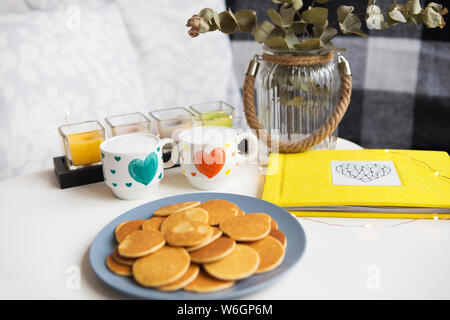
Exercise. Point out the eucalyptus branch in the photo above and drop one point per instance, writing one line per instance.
(282, 31)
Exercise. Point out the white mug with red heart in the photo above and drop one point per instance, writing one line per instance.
(209, 155)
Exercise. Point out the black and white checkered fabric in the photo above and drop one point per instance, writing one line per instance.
(401, 88)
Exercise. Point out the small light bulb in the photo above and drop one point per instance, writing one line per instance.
(386, 150)
(435, 218)
(436, 173)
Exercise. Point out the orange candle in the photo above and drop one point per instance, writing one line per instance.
(85, 147)
(82, 143)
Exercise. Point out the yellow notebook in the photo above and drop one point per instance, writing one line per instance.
(361, 183)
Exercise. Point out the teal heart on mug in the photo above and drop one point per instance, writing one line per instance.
(144, 171)
(113, 171)
(117, 158)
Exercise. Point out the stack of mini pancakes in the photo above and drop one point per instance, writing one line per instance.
(199, 247)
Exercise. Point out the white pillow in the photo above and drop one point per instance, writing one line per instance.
(177, 70)
(52, 63)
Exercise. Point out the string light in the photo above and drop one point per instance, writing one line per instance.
(365, 226)
(436, 173)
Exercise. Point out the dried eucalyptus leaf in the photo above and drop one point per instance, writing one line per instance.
(297, 4)
(287, 16)
(435, 6)
(415, 7)
(262, 31)
(418, 18)
(216, 19)
(228, 23)
(308, 44)
(291, 39)
(432, 17)
(275, 17)
(246, 20)
(276, 43)
(397, 16)
(327, 34)
(204, 26)
(374, 18)
(295, 102)
(315, 15)
(298, 27)
(207, 13)
(300, 83)
(277, 32)
(343, 12)
(348, 22)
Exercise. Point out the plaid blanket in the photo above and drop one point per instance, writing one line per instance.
(401, 88)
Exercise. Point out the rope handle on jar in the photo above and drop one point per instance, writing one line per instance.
(330, 124)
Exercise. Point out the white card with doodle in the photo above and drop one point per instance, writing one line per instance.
(364, 173)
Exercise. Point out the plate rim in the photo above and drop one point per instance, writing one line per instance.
(242, 292)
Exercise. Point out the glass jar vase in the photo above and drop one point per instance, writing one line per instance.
(293, 101)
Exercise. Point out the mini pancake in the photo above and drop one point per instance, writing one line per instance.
(127, 227)
(187, 233)
(273, 223)
(250, 227)
(176, 207)
(271, 252)
(197, 214)
(241, 263)
(277, 234)
(240, 212)
(162, 267)
(261, 215)
(214, 251)
(141, 243)
(185, 279)
(215, 235)
(153, 223)
(219, 210)
(205, 283)
(117, 268)
(122, 260)
(193, 214)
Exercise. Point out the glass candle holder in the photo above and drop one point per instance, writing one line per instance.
(82, 143)
(128, 123)
(170, 122)
(216, 113)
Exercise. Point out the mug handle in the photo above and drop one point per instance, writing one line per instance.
(175, 153)
(252, 147)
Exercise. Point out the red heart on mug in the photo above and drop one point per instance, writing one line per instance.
(210, 164)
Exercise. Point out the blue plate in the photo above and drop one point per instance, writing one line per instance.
(104, 245)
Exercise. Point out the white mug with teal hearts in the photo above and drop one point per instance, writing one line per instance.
(209, 156)
(133, 165)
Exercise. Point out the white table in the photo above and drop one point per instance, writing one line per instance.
(45, 235)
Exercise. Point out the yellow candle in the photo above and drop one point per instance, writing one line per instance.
(85, 147)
